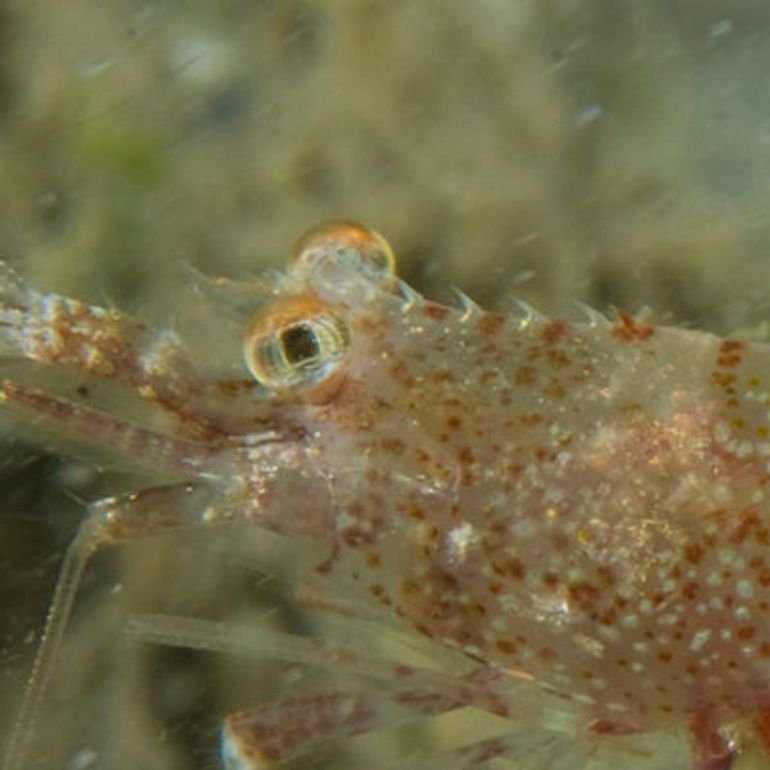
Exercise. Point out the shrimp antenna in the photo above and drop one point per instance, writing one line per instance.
(90, 536)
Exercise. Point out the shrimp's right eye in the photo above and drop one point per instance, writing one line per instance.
(296, 347)
(350, 244)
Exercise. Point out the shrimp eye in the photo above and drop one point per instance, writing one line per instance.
(348, 244)
(296, 346)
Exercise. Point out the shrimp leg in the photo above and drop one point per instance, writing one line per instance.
(110, 520)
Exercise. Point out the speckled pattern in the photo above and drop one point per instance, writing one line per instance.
(579, 506)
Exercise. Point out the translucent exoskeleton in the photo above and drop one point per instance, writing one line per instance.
(577, 510)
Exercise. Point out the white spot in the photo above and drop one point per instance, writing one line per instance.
(629, 621)
(553, 495)
(699, 639)
(591, 645)
(645, 607)
(744, 589)
(609, 633)
(726, 556)
(721, 432)
(461, 539)
(640, 647)
(344, 521)
(713, 579)
(668, 620)
(637, 667)
(499, 624)
(744, 449)
(725, 634)
(742, 613)
(509, 604)
(523, 529)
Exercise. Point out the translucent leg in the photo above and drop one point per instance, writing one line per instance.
(109, 520)
(394, 695)
(419, 690)
(263, 739)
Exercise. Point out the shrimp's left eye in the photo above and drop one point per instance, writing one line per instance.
(354, 246)
(297, 346)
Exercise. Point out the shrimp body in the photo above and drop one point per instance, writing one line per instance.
(580, 506)
(582, 502)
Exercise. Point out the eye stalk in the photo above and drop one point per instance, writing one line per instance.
(296, 348)
(350, 245)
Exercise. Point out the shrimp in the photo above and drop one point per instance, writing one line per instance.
(576, 509)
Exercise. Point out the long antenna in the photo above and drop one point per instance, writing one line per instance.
(90, 535)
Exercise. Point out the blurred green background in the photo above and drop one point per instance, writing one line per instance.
(615, 152)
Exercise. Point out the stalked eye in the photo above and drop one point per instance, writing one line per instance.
(296, 346)
(350, 245)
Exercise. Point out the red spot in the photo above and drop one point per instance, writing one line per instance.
(555, 389)
(373, 559)
(558, 359)
(583, 593)
(551, 579)
(514, 568)
(605, 576)
(465, 455)
(553, 332)
(730, 353)
(393, 445)
(690, 590)
(546, 654)
(628, 330)
(442, 375)
(693, 553)
(609, 726)
(741, 532)
(525, 375)
(436, 312)
(490, 323)
(488, 376)
(745, 632)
